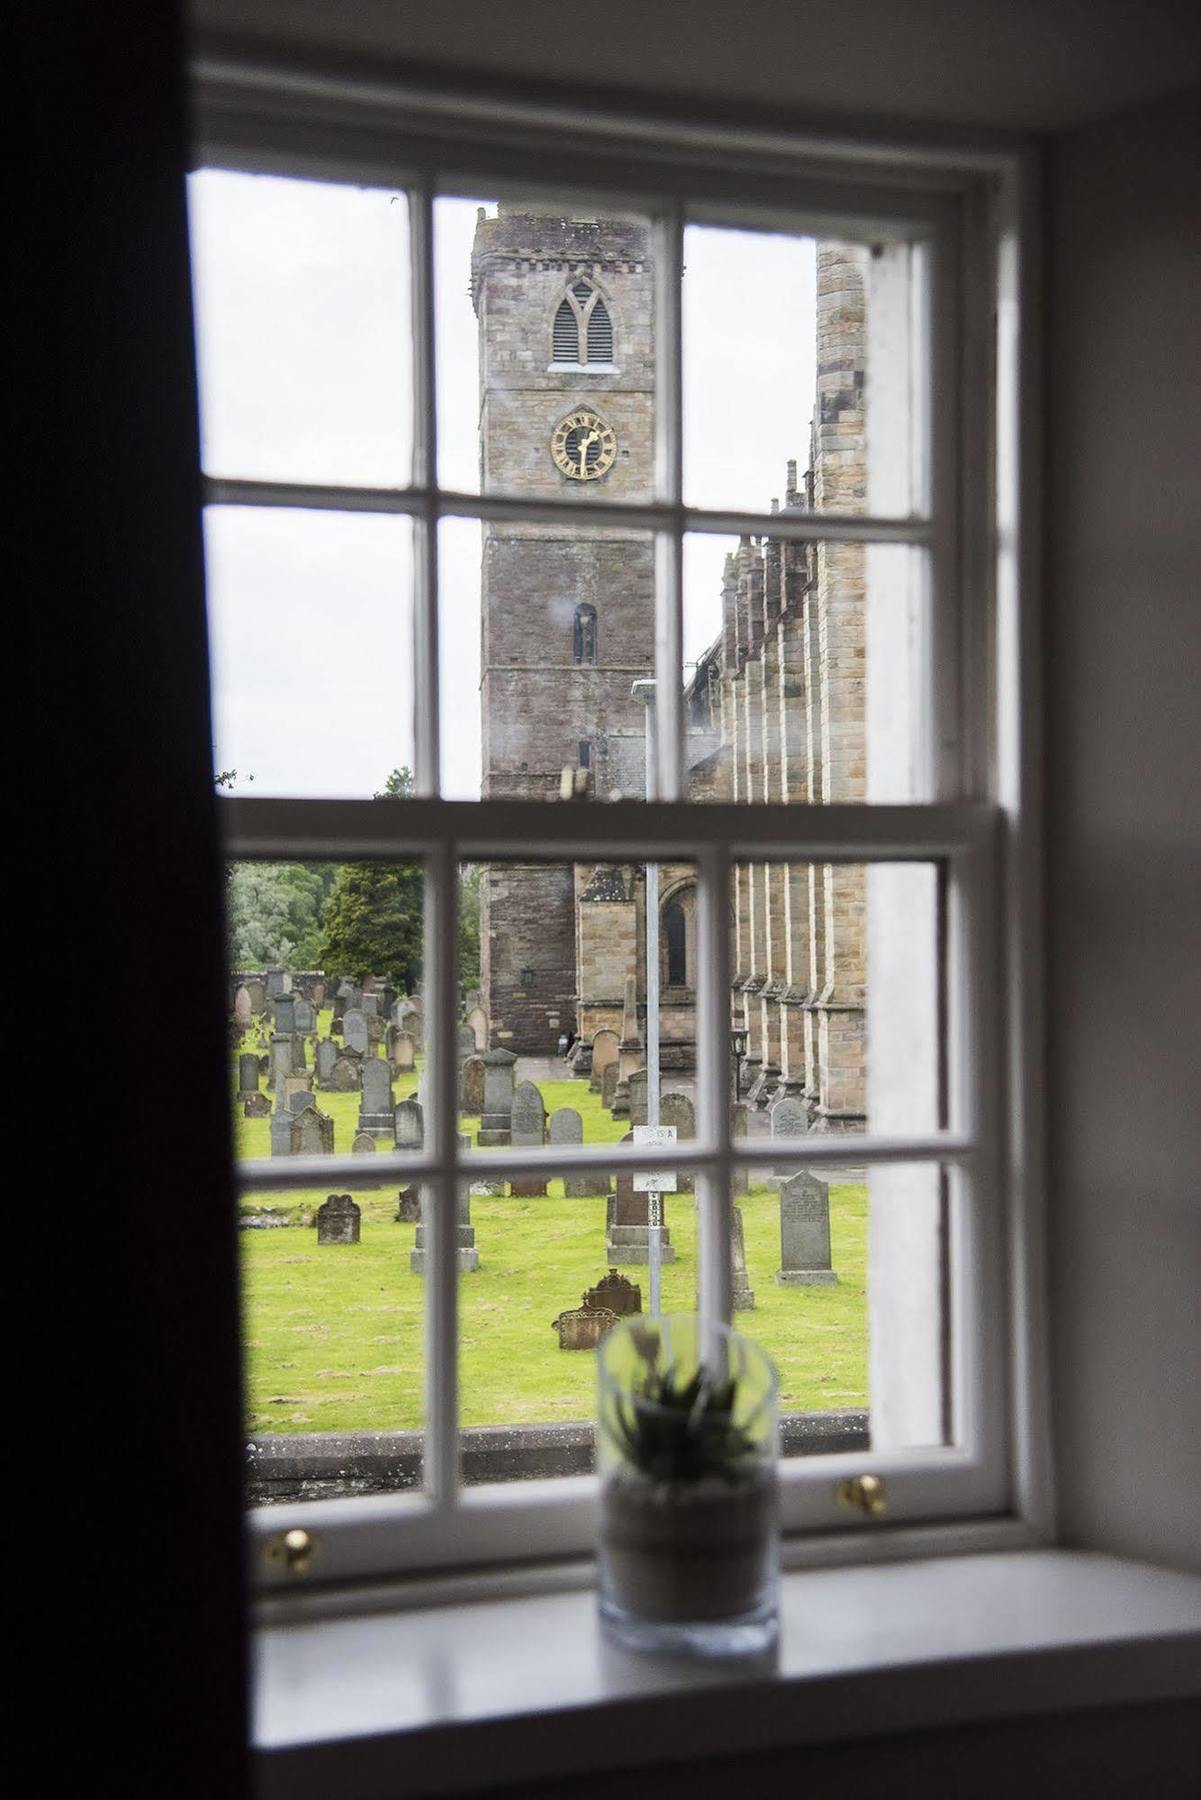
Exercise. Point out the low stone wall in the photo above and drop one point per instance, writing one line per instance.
(333, 1465)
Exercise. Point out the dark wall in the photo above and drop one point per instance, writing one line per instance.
(123, 880)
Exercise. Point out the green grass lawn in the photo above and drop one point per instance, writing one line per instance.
(333, 1335)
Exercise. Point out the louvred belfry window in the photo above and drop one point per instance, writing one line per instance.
(447, 989)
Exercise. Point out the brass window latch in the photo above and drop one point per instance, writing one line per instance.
(294, 1549)
(864, 1494)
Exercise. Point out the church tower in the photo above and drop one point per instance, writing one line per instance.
(567, 377)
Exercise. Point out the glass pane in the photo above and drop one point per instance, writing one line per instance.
(806, 671)
(803, 370)
(836, 1016)
(547, 649)
(326, 1056)
(303, 329)
(545, 327)
(310, 645)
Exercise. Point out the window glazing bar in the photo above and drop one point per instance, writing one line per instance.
(426, 722)
(440, 1190)
(713, 1182)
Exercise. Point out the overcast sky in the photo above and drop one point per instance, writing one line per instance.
(302, 310)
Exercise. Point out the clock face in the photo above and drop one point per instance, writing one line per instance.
(583, 446)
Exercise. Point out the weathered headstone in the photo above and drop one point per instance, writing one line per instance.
(402, 1051)
(466, 1254)
(615, 1292)
(408, 1125)
(408, 1205)
(354, 1030)
(312, 1133)
(638, 1096)
(256, 1106)
(243, 1012)
(609, 1085)
(362, 1144)
(317, 994)
(805, 1232)
(477, 1023)
(324, 1058)
(248, 1074)
(628, 1222)
(278, 982)
(370, 1005)
(743, 1299)
(789, 1119)
(528, 1129)
(676, 1110)
(498, 1098)
(258, 996)
(739, 1114)
(305, 1015)
(465, 1044)
(473, 1086)
(604, 1052)
(375, 1106)
(338, 1220)
(283, 1009)
(298, 1098)
(566, 1127)
(583, 1327)
(344, 1076)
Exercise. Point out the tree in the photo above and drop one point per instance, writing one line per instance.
(469, 925)
(372, 922)
(274, 913)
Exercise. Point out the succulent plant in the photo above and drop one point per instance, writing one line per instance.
(681, 1431)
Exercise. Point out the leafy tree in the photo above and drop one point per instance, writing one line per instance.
(274, 911)
(372, 922)
(469, 925)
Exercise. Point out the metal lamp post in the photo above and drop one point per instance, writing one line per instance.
(644, 691)
(738, 1038)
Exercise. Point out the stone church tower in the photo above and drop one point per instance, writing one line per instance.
(567, 378)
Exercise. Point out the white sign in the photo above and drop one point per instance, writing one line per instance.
(664, 1180)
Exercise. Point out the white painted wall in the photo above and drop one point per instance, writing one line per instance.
(1123, 702)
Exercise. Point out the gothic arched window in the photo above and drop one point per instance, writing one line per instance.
(675, 935)
(583, 643)
(583, 330)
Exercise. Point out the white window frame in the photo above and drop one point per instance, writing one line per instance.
(973, 209)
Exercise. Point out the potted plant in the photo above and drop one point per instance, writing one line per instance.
(686, 1451)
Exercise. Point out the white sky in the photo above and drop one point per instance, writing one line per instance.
(302, 311)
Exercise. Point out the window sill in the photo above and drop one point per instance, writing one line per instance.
(443, 1700)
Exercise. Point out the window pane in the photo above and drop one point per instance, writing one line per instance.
(310, 644)
(806, 671)
(802, 354)
(545, 635)
(545, 326)
(326, 1056)
(303, 329)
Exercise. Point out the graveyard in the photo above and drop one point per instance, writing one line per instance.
(333, 1328)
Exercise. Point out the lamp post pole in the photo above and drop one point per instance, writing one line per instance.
(645, 692)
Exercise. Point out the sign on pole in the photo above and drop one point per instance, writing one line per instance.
(663, 1181)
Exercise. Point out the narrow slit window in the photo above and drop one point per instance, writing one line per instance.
(584, 635)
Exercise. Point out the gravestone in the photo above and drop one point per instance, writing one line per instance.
(627, 1219)
(281, 1132)
(402, 1011)
(277, 983)
(583, 1327)
(338, 1220)
(466, 1254)
(362, 1144)
(805, 1233)
(375, 1105)
(317, 994)
(258, 996)
(465, 1044)
(609, 1084)
(498, 1098)
(312, 1132)
(527, 1130)
(283, 1010)
(408, 1124)
(615, 1292)
(248, 1074)
(408, 1205)
(243, 1012)
(402, 1051)
(325, 1057)
(742, 1299)
(256, 1106)
(344, 1076)
(298, 1098)
(566, 1127)
(676, 1109)
(370, 1006)
(305, 1015)
(477, 1023)
(789, 1119)
(473, 1086)
(638, 1096)
(354, 1030)
(604, 1052)
(281, 1061)
(377, 1030)
(387, 998)
(739, 1114)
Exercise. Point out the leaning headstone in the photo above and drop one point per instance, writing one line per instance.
(408, 1125)
(408, 1205)
(528, 1129)
(354, 1030)
(402, 1051)
(677, 1110)
(743, 1300)
(375, 1106)
(256, 1106)
(789, 1119)
(473, 1086)
(566, 1127)
(338, 1220)
(243, 1012)
(312, 1133)
(344, 1076)
(498, 1098)
(805, 1233)
(628, 1222)
(325, 1057)
(583, 1327)
(248, 1074)
(604, 1052)
(466, 1254)
(362, 1144)
(616, 1292)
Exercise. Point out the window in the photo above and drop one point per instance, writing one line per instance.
(803, 717)
(583, 329)
(583, 643)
